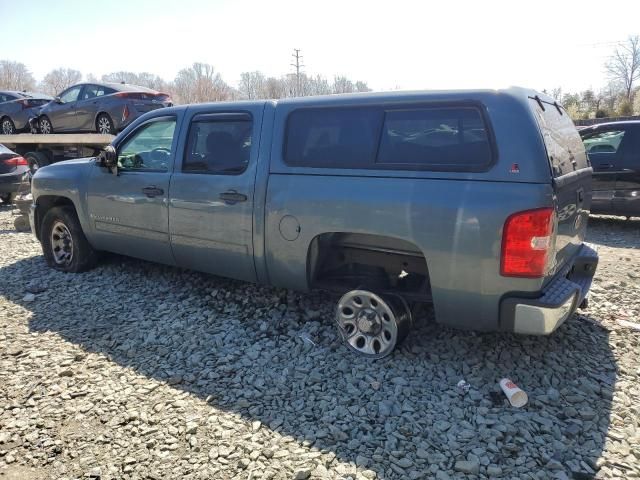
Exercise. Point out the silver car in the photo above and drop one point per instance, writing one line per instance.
(98, 107)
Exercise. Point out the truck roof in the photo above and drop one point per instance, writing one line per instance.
(518, 93)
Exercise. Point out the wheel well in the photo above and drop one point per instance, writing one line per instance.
(345, 261)
(46, 203)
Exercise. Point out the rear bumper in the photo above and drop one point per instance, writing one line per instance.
(559, 299)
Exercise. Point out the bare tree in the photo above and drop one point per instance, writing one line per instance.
(624, 66)
(362, 86)
(342, 84)
(57, 80)
(143, 79)
(91, 78)
(252, 85)
(275, 88)
(200, 83)
(15, 76)
(120, 77)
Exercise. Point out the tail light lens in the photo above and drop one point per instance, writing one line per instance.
(24, 103)
(527, 242)
(125, 113)
(15, 162)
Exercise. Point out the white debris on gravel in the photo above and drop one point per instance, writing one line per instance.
(141, 371)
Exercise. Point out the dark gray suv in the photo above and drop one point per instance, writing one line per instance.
(98, 107)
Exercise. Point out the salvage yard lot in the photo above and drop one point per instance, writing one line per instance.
(136, 370)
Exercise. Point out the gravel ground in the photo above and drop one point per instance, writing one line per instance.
(140, 371)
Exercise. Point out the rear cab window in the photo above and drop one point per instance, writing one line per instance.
(565, 149)
(445, 138)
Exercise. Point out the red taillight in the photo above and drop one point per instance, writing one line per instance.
(15, 162)
(25, 103)
(526, 243)
(125, 113)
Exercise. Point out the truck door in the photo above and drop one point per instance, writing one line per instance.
(211, 198)
(128, 211)
(604, 147)
(626, 200)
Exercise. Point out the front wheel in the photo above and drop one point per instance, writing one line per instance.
(104, 124)
(7, 126)
(64, 244)
(45, 125)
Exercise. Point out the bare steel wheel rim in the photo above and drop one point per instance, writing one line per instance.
(61, 244)
(104, 125)
(371, 324)
(45, 126)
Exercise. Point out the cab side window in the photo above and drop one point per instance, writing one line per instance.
(218, 146)
(149, 147)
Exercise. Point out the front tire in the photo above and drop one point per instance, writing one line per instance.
(7, 126)
(104, 124)
(45, 125)
(64, 244)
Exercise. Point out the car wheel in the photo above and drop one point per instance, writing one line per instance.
(7, 198)
(37, 160)
(64, 244)
(45, 125)
(7, 126)
(104, 124)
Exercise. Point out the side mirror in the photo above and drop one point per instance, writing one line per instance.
(58, 100)
(108, 157)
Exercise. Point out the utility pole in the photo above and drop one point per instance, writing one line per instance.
(296, 55)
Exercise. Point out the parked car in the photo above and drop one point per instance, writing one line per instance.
(614, 151)
(13, 174)
(98, 107)
(17, 107)
(476, 201)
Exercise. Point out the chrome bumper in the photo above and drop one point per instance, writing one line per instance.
(32, 220)
(559, 299)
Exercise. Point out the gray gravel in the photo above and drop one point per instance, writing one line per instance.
(140, 371)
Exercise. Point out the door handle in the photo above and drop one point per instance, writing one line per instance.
(605, 165)
(232, 197)
(152, 191)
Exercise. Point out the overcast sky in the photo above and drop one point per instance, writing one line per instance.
(389, 44)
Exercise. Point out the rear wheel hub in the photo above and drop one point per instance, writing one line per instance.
(371, 324)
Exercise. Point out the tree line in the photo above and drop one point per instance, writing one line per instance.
(619, 97)
(197, 83)
(200, 82)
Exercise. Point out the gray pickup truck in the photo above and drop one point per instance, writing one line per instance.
(475, 201)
